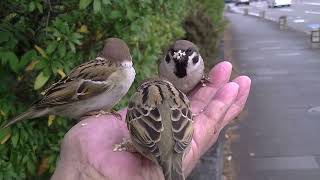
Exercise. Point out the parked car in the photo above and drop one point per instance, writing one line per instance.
(278, 3)
(247, 2)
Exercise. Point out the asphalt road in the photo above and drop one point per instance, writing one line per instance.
(301, 15)
(279, 139)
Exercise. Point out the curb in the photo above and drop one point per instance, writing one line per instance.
(210, 165)
(268, 18)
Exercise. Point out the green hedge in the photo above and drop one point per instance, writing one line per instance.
(204, 26)
(41, 41)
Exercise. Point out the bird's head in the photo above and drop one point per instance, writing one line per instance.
(184, 56)
(117, 51)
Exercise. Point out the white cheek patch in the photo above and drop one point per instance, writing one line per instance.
(192, 66)
(192, 56)
(126, 63)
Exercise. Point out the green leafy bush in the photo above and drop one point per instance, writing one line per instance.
(204, 26)
(41, 41)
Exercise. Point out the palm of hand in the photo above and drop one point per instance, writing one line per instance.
(87, 149)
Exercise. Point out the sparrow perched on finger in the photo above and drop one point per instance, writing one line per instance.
(182, 65)
(92, 86)
(160, 124)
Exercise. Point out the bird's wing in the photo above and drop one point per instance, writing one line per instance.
(145, 126)
(83, 82)
(145, 121)
(182, 127)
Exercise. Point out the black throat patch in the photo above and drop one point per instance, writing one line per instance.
(181, 68)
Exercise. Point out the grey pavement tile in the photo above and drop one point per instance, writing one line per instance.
(282, 128)
(285, 163)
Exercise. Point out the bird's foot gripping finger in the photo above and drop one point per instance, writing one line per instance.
(197, 114)
(95, 113)
(205, 79)
(125, 145)
(116, 114)
(102, 112)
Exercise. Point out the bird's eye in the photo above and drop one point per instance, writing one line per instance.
(189, 52)
(167, 58)
(195, 59)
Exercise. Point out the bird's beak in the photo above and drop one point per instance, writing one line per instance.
(181, 59)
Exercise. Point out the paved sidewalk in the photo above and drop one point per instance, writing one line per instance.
(279, 139)
(302, 15)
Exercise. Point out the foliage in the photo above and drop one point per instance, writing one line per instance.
(204, 27)
(213, 8)
(41, 41)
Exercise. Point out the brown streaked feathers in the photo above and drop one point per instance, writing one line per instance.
(160, 123)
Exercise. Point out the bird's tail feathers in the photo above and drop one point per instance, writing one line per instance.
(172, 170)
(26, 115)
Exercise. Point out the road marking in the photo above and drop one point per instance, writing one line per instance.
(314, 109)
(298, 20)
(254, 14)
(270, 48)
(289, 54)
(271, 18)
(312, 3)
(312, 12)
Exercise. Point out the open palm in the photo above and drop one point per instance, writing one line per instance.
(87, 149)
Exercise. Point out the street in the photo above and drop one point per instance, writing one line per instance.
(302, 14)
(279, 137)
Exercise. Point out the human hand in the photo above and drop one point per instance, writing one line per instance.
(87, 149)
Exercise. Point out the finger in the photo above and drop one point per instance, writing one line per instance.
(205, 126)
(221, 102)
(219, 76)
(244, 83)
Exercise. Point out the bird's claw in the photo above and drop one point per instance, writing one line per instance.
(197, 114)
(125, 145)
(102, 112)
(116, 114)
(94, 113)
(205, 79)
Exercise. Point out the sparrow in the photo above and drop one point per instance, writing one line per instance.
(92, 86)
(183, 66)
(160, 125)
